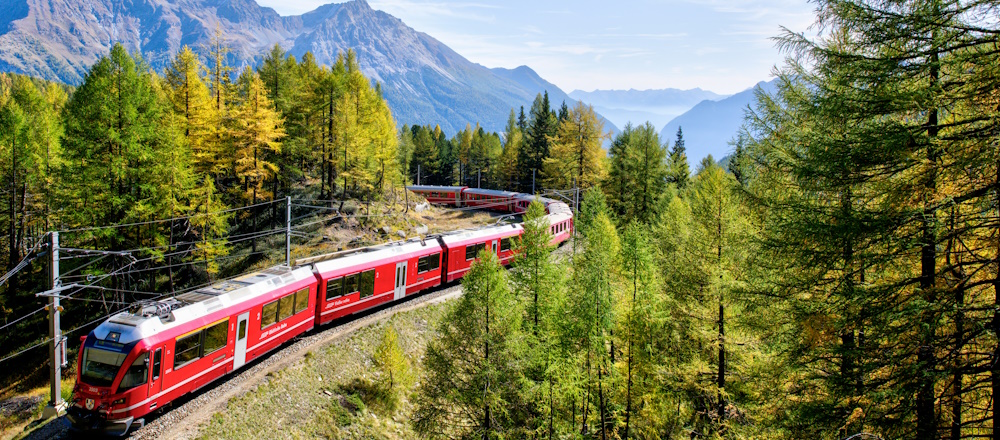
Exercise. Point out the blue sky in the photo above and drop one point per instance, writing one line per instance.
(720, 45)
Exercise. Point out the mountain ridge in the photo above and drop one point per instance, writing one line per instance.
(423, 80)
(657, 106)
(710, 125)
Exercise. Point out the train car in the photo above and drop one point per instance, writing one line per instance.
(505, 201)
(521, 203)
(355, 280)
(561, 227)
(141, 359)
(463, 247)
(440, 195)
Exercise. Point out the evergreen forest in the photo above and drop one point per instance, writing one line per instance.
(836, 277)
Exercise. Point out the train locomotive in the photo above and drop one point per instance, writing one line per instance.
(142, 359)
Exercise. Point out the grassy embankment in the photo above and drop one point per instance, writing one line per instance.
(334, 392)
(24, 386)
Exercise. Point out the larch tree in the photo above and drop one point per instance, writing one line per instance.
(885, 193)
(576, 154)
(474, 368)
(191, 99)
(257, 130)
(638, 329)
(513, 142)
(719, 230)
(592, 309)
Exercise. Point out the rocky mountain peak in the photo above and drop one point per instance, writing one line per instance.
(423, 80)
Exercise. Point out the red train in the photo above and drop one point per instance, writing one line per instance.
(144, 358)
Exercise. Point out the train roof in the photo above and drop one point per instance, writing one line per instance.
(434, 188)
(151, 317)
(560, 208)
(459, 238)
(491, 192)
(559, 217)
(356, 257)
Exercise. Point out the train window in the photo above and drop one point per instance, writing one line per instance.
(301, 300)
(285, 307)
(350, 284)
(367, 281)
(472, 250)
(187, 349)
(428, 263)
(505, 244)
(215, 337)
(136, 374)
(157, 361)
(334, 288)
(268, 314)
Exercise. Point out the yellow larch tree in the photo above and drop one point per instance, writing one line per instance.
(576, 153)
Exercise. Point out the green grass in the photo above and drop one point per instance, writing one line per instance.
(332, 392)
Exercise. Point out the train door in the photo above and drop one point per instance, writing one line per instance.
(240, 355)
(401, 279)
(156, 373)
(494, 245)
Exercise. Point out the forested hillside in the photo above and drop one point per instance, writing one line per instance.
(839, 278)
(175, 178)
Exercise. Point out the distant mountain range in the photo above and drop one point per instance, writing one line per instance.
(423, 80)
(709, 126)
(639, 106)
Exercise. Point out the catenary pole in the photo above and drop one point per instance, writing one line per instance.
(288, 231)
(56, 406)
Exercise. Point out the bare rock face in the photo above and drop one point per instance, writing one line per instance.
(424, 81)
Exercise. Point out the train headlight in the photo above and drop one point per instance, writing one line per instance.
(118, 402)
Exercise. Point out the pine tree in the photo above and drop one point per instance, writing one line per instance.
(117, 134)
(29, 136)
(680, 171)
(637, 178)
(538, 133)
(425, 156)
(719, 230)
(406, 146)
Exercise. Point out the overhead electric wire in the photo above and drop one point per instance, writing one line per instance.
(152, 222)
(26, 350)
(22, 318)
(228, 240)
(227, 257)
(28, 258)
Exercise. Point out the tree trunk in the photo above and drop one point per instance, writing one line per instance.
(926, 422)
(13, 255)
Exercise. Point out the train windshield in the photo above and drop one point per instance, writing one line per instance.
(100, 366)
